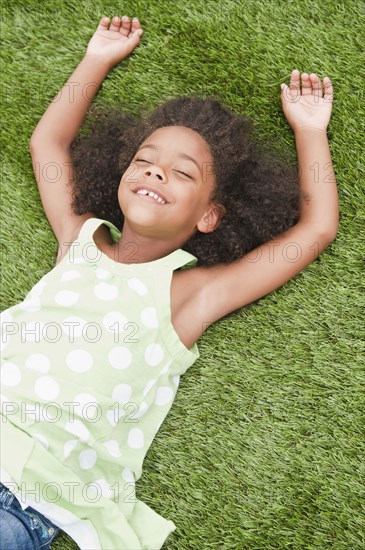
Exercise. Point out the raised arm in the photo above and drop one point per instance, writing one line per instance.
(50, 142)
(224, 288)
(308, 112)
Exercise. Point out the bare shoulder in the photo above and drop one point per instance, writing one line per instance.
(193, 301)
(188, 314)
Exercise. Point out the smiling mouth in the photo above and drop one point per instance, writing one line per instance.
(144, 193)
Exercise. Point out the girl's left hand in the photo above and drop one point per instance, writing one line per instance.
(307, 108)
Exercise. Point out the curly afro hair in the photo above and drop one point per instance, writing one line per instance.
(259, 192)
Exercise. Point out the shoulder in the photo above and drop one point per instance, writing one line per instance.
(188, 307)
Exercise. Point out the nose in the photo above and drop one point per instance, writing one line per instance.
(154, 172)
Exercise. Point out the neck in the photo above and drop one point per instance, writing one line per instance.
(133, 247)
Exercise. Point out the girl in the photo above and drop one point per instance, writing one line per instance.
(92, 357)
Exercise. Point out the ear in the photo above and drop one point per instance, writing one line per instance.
(211, 218)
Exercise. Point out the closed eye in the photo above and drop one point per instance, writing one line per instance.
(184, 173)
(179, 171)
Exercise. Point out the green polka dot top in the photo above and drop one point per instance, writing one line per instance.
(90, 368)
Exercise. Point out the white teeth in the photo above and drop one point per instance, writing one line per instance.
(151, 194)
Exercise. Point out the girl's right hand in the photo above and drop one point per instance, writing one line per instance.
(114, 40)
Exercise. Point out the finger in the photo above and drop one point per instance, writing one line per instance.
(328, 89)
(104, 24)
(288, 95)
(294, 85)
(116, 22)
(306, 84)
(135, 37)
(316, 85)
(132, 41)
(125, 29)
(294, 79)
(284, 91)
(135, 24)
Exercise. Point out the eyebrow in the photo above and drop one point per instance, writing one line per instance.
(181, 155)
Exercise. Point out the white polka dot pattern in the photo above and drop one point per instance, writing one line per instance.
(102, 273)
(120, 357)
(114, 415)
(79, 360)
(122, 393)
(70, 275)
(69, 447)
(164, 395)
(38, 362)
(149, 317)
(102, 488)
(38, 288)
(165, 368)
(137, 285)
(128, 475)
(148, 387)
(46, 388)
(92, 353)
(105, 291)
(66, 298)
(153, 354)
(135, 438)
(87, 459)
(143, 407)
(112, 447)
(10, 374)
(31, 304)
(114, 322)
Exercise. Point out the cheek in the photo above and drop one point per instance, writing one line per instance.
(121, 191)
(194, 208)
(130, 178)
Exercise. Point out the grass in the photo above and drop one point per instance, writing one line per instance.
(263, 447)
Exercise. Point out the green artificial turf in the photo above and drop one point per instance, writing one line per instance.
(263, 447)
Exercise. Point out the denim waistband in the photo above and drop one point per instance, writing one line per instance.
(41, 529)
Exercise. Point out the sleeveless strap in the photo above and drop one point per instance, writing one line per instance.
(177, 259)
(89, 227)
(180, 259)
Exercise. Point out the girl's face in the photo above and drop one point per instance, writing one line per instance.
(175, 164)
